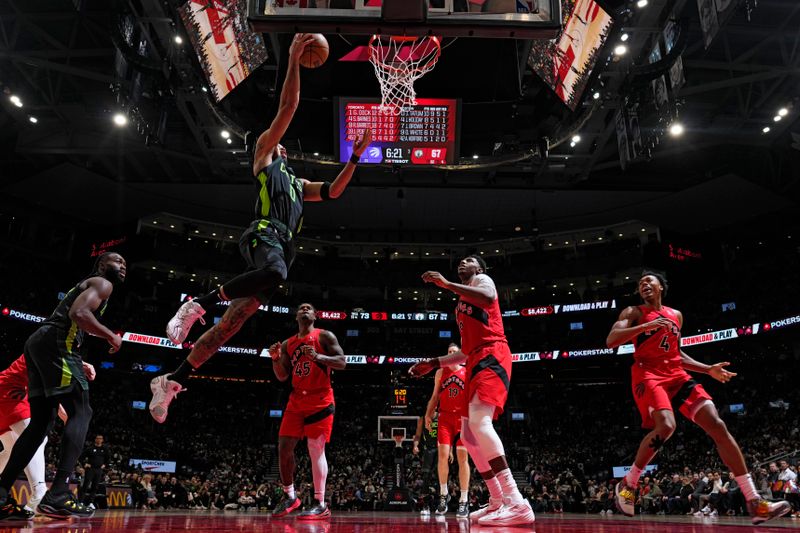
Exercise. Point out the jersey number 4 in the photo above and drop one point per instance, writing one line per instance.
(302, 369)
(664, 343)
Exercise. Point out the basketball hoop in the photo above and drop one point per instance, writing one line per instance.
(398, 440)
(399, 62)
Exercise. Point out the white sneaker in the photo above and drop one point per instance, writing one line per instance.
(178, 327)
(705, 510)
(713, 514)
(164, 391)
(698, 513)
(624, 498)
(509, 514)
(494, 505)
(609, 512)
(91, 507)
(603, 512)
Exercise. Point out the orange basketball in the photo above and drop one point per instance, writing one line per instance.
(316, 53)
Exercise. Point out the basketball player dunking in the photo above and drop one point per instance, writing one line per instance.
(485, 349)
(308, 358)
(661, 383)
(450, 397)
(267, 244)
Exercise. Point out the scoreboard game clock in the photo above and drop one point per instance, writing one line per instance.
(424, 134)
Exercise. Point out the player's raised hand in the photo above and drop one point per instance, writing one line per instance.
(425, 366)
(298, 46)
(362, 141)
(436, 278)
(719, 373)
(275, 351)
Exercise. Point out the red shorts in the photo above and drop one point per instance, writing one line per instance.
(449, 429)
(655, 392)
(12, 411)
(489, 376)
(308, 414)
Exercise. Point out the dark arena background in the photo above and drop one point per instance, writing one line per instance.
(569, 144)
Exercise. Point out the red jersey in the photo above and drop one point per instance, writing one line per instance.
(479, 326)
(451, 390)
(14, 380)
(659, 350)
(307, 374)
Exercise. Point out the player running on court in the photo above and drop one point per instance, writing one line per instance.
(661, 384)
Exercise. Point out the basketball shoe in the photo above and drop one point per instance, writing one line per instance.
(317, 511)
(178, 327)
(762, 510)
(624, 498)
(62, 506)
(164, 391)
(509, 514)
(442, 507)
(9, 510)
(494, 505)
(285, 506)
(463, 510)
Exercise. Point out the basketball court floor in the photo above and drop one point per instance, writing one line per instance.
(344, 522)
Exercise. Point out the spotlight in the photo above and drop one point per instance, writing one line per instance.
(783, 112)
(474, 156)
(596, 95)
(178, 39)
(120, 119)
(225, 134)
(316, 154)
(572, 144)
(623, 37)
(205, 89)
(517, 228)
(676, 130)
(229, 140)
(620, 50)
(765, 129)
(641, 3)
(33, 119)
(14, 99)
(576, 139)
(777, 118)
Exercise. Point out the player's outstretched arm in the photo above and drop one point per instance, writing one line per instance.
(428, 365)
(317, 191)
(483, 292)
(290, 98)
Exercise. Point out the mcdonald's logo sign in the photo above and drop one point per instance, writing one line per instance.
(119, 497)
(21, 491)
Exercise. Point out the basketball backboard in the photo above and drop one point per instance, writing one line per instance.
(389, 426)
(519, 19)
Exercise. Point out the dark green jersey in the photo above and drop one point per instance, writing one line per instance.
(69, 336)
(429, 435)
(280, 197)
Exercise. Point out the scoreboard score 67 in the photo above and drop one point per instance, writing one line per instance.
(423, 134)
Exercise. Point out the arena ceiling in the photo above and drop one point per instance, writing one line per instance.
(72, 69)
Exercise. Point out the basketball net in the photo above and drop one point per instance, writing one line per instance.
(398, 63)
(398, 441)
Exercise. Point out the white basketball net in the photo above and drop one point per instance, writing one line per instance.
(399, 62)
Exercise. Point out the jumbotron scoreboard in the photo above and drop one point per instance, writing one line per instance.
(424, 134)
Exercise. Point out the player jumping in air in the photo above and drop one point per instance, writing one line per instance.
(268, 244)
